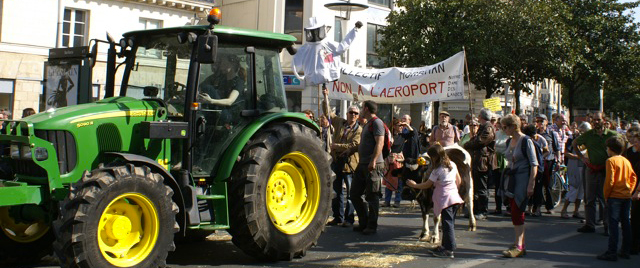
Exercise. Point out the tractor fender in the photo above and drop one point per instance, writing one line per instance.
(156, 167)
(230, 156)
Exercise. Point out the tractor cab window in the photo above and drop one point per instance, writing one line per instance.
(225, 89)
(160, 71)
(269, 86)
(224, 85)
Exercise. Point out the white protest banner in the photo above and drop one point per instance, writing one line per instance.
(439, 82)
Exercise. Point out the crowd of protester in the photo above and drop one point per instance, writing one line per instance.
(598, 157)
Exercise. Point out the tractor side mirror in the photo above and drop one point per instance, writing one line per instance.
(207, 48)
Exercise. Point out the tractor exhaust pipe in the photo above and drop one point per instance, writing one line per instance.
(111, 68)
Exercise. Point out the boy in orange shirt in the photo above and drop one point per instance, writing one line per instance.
(619, 184)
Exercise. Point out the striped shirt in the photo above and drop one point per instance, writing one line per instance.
(563, 136)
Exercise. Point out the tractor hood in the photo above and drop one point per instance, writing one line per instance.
(71, 116)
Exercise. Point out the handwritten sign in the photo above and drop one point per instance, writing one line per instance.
(492, 104)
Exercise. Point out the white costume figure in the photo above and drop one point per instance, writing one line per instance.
(318, 57)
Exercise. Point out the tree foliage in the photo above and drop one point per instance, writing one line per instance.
(601, 51)
(518, 42)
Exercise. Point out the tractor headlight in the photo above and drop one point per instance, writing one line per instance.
(25, 152)
(41, 153)
(15, 151)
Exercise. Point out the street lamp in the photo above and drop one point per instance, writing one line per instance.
(346, 7)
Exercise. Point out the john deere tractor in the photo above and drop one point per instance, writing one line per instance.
(197, 140)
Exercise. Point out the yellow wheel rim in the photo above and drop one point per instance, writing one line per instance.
(128, 230)
(293, 193)
(19, 231)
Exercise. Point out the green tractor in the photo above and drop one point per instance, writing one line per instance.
(198, 140)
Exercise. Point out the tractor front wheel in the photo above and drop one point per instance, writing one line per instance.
(121, 216)
(23, 242)
(280, 193)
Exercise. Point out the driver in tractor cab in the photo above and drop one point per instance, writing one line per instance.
(224, 86)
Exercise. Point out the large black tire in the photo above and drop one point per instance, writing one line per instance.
(252, 228)
(23, 243)
(77, 231)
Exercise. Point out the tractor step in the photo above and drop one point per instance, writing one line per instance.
(211, 197)
(209, 227)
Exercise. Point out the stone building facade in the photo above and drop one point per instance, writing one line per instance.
(25, 41)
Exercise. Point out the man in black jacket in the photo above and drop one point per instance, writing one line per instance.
(483, 160)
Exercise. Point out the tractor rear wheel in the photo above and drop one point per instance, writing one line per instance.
(280, 193)
(121, 216)
(23, 242)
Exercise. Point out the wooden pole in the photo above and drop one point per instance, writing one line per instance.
(319, 88)
(327, 112)
(466, 67)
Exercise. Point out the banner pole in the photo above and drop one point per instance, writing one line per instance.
(319, 88)
(466, 67)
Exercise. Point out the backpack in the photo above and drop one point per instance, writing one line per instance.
(554, 144)
(539, 154)
(386, 148)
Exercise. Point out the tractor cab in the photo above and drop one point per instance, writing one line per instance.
(217, 97)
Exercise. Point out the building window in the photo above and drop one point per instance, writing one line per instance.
(293, 18)
(6, 96)
(337, 30)
(42, 104)
(74, 27)
(294, 101)
(149, 24)
(95, 92)
(385, 3)
(373, 37)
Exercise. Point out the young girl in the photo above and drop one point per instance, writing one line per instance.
(446, 199)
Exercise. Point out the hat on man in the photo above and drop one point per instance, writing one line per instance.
(314, 24)
(444, 112)
(542, 116)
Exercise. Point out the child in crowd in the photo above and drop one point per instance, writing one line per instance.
(446, 199)
(619, 184)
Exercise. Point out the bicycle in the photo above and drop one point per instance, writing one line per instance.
(559, 185)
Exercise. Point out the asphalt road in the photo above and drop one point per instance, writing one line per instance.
(550, 241)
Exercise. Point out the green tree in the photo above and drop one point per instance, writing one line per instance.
(601, 50)
(505, 40)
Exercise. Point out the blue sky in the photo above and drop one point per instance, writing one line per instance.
(636, 10)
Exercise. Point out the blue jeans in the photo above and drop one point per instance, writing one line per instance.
(448, 222)
(619, 210)
(342, 212)
(388, 192)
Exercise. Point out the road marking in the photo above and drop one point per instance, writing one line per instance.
(469, 264)
(560, 237)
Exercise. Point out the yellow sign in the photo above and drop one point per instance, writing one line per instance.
(492, 104)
